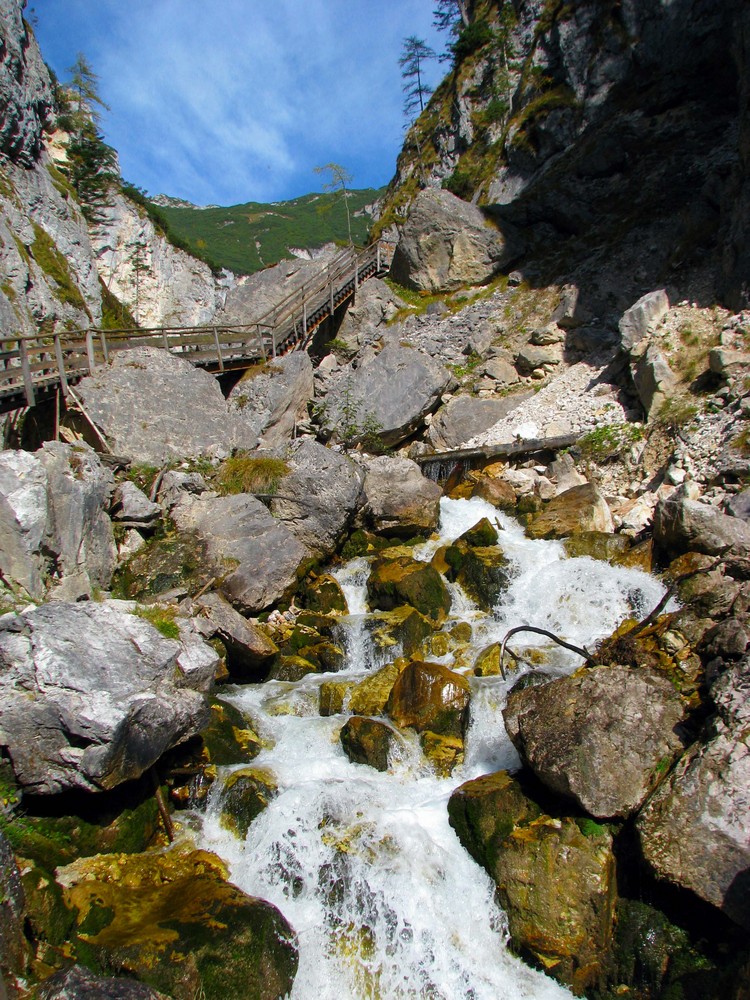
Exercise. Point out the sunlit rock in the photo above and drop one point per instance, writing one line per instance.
(581, 508)
(401, 580)
(429, 696)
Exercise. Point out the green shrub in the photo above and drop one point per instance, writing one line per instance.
(474, 36)
(163, 619)
(609, 441)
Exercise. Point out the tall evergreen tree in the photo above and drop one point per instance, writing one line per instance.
(416, 91)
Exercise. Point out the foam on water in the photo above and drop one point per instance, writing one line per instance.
(365, 866)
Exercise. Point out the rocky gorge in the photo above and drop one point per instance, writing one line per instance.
(283, 715)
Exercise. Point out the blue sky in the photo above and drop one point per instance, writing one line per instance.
(230, 101)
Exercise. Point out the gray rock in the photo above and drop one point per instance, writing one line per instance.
(682, 525)
(447, 243)
(248, 648)
(399, 500)
(27, 99)
(273, 402)
(739, 505)
(653, 378)
(646, 312)
(79, 983)
(727, 363)
(570, 312)
(598, 737)
(54, 527)
(153, 407)
(319, 497)
(501, 371)
(131, 504)
(694, 830)
(394, 392)
(177, 486)
(255, 556)
(375, 304)
(252, 297)
(91, 696)
(464, 417)
(546, 335)
(530, 358)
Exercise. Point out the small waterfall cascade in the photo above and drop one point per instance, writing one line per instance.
(385, 901)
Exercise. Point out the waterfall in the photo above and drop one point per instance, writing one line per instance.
(365, 866)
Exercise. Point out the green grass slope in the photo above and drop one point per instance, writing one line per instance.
(246, 238)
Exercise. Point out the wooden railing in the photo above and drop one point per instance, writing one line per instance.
(30, 366)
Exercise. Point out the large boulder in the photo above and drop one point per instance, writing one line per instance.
(429, 696)
(397, 579)
(636, 321)
(602, 737)
(389, 396)
(399, 500)
(555, 877)
(254, 296)
(53, 525)
(174, 921)
(447, 243)
(694, 830)
(249, 648)
(154, 407)
(274, 400)
(255, 557)
(581, 508)
(373, 306)
(683, 525)
(465, 417)
(91, 695)
(318, 498)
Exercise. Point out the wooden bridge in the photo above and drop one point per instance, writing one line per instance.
(32, 368)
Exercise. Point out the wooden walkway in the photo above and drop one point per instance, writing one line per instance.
(32, 368)
(441, 464)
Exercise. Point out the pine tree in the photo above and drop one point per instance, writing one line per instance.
(415, 53)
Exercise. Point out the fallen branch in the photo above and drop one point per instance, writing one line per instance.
(162, 807)
(549, 635)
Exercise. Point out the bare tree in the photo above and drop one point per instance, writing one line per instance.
(339, 179)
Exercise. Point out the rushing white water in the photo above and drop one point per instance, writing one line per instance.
(385, 901)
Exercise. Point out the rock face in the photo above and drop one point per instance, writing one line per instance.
(153, 406)
(255, 557)
(447, 243)
(53, 526)
(393, 393)
(274, 401)
(600, 737)
(694, 829)
(398, 499)
(25, 85)
(318, 498)
(91, 696)
(249, 649)
(170, 288)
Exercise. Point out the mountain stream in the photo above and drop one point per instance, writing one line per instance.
(365, 866)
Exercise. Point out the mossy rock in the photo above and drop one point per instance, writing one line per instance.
(370, 695)
(599, 545)
(291, 668)
(482, 534)
(368, 741)
(403, 580)
(331, 697)
(363, 543)
(48, 918)
(164, 564)
(246, 794)
(483, 573)
(443, 752)
(323, 594)
(429, 696)
(229, 738)
(653, 957)
(402, 627)
(487, 662)
(462, 632)
(173, 921)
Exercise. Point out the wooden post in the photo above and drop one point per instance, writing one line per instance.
(261, 342)
(218, 350)
(377, 258)
(90, 350)
(28, 383)
(61, 366)
(356, 274)
(165, 339)
(304, 320)
(105, 352)
(333, 303)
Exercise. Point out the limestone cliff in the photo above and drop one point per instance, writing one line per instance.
(588, 122)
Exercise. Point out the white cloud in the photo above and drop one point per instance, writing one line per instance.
(240, 99)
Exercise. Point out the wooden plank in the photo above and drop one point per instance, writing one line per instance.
(90, 350)
(218, 350)
(105, 352)
(28, 384)
(61, 366)
(499, 450)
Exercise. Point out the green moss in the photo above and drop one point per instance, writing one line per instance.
(609, 441)
(8, 291)
(6, 187)
(61, 183)
(163, 620)
(243, 473)
(115, 314)
(55, 266)
(590, 828)
(675, 413)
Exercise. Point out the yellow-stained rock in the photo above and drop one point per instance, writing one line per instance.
(428, 696)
